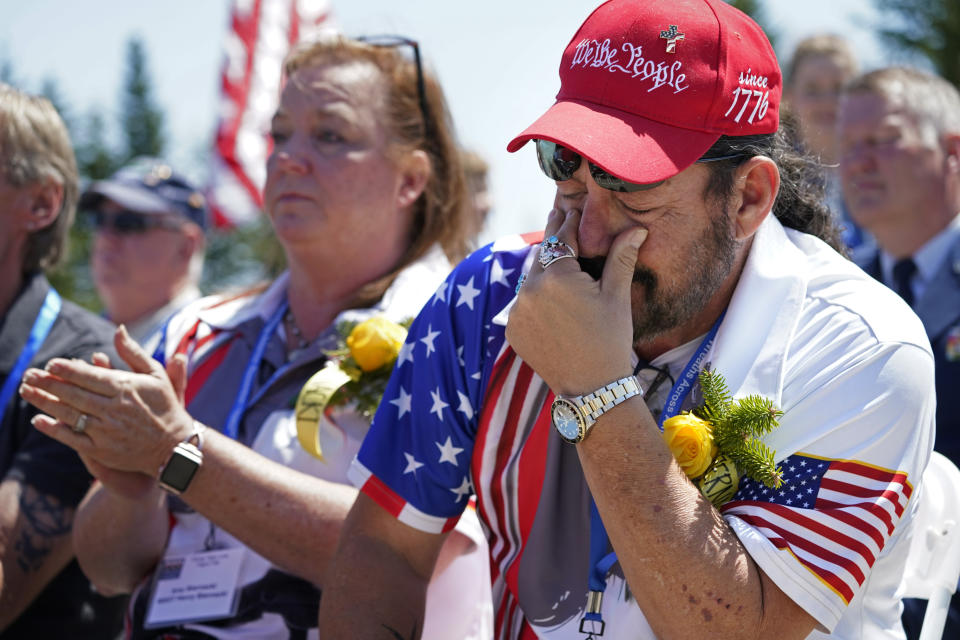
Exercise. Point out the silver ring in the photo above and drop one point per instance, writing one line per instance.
(523, 278)
(553, 249)
(81, 425)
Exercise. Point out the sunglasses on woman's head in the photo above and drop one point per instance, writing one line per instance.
(402, 41)
(124, 222)
(560, 163)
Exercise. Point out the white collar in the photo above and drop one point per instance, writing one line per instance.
(412, 287)
(752, 343)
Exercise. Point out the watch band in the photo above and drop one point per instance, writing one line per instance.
(595, 404)
(178, 471)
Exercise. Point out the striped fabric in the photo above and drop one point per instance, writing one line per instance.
(834, 515)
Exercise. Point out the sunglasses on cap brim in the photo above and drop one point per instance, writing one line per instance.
(124, 222)
(560, 163)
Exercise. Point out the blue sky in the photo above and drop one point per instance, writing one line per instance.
(497, 60)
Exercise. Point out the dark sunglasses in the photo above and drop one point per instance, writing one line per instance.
(401, 41)
(560, 163)
(125, 222)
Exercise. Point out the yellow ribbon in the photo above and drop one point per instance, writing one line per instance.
(312, 402)
(721, 481)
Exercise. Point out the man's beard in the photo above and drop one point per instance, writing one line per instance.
(709, 261)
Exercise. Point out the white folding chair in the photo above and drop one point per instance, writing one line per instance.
(933, 564)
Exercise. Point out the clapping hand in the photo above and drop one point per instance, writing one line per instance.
(123, 424)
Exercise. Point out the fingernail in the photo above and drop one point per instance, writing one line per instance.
(638, 237)
(55, 364)
(30, 376)
(22, 389)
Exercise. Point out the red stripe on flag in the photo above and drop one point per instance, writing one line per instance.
(858, 491)
(505, 613)
(796, 540)
(806, 522)
(881, 475)
(499, 375)
(848, 518)
(870, 507)
(505, 453)
(530, 473)
(839, 586)
(383, 496)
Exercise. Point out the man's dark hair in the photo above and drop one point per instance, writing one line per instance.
(800, 202)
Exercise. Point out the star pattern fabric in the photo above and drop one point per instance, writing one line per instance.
(456, 326)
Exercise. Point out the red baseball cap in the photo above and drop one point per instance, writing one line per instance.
(647, 86)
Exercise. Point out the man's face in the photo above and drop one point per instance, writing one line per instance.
(690, 250)
(135, 272)
(893, 169)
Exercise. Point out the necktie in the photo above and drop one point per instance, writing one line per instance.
(903, 271)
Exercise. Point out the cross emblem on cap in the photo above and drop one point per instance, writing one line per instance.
(672, 36)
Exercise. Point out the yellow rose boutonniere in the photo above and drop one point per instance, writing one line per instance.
(691, 441)
(375, 343)
(356, 373)
(720, 441)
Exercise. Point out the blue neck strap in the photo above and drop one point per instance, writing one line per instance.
(600, 560)
(240, 404)
(38, 333)
(232, 426)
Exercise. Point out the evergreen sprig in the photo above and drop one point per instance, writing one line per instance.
(738, 426)
(716, 397)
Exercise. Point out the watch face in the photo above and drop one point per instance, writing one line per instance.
(181, 468)
(568, 420)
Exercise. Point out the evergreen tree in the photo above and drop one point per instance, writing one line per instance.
(142, 119)
(95, 160)
(51, 91)
(925, 28)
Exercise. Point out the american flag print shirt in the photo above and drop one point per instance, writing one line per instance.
(463, 414)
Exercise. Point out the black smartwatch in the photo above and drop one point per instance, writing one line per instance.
(178, 472)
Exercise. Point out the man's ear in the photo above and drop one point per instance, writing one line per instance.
(756, 184)
(46, 198)
(193, 240)
(414, 174)
(951, 145)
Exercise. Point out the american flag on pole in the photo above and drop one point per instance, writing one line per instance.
(260, 35)
(834, 515)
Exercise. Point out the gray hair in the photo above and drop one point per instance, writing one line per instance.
(934, 102)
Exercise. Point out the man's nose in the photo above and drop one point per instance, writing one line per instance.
(598, 217)
(856, 157)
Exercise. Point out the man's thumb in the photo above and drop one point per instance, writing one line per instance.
(622, 260)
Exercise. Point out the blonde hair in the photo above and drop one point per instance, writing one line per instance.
(35, 146)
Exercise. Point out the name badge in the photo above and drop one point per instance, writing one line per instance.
(195, 587)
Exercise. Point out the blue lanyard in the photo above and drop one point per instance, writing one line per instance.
(38, 333)
(600, 560)
(242, 401)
